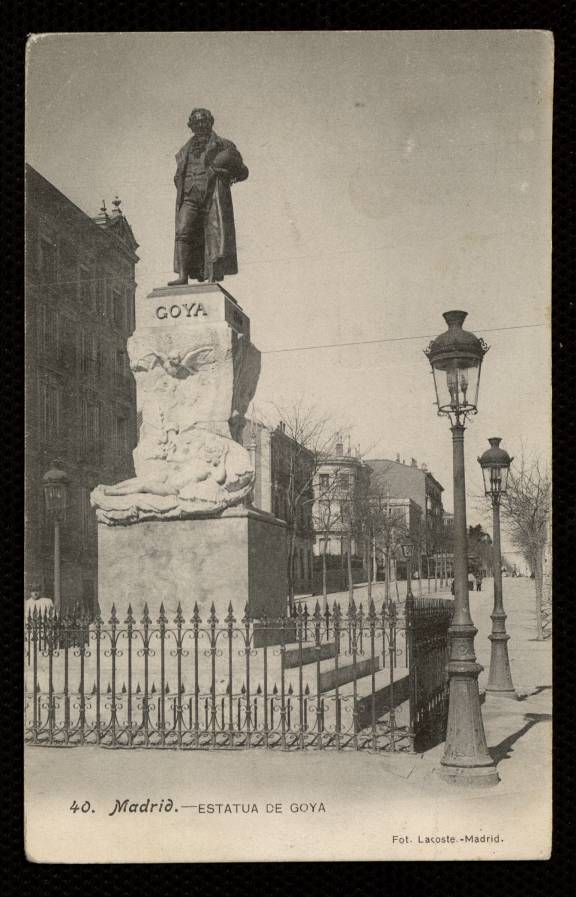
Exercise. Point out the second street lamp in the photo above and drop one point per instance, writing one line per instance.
(456, 360)
(55, 483)
(407, 550)
(495, 464)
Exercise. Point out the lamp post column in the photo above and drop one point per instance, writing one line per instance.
(500, 677)
(57, 585)
(466, 759)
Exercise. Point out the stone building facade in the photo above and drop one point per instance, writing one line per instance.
(80, 393)
(340, 488)
(284, 468)
(401, 481)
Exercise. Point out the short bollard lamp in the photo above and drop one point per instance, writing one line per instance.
(495, 464)
(55, 483)
(456, 359)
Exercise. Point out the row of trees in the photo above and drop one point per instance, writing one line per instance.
(365, 517)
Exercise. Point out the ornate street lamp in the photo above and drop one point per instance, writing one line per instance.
(495, 464)
(56, 487)
(407, 551)
(456, 359)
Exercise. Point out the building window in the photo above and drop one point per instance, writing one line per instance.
(51, 411)
(83, 352)
(88, 596)
(344, 481)
(86, 285)
(50, 334)
(121, 365)
(118, 308)
(90, 424)
(68, 271)
(324, 481)
(121, 434)
(86, 515)
(48, 260)
(89, 354)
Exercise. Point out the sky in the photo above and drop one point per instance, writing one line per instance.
(393, 176)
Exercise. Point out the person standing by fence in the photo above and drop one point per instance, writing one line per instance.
(35, 602)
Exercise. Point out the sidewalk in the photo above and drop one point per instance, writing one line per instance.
(312, 805)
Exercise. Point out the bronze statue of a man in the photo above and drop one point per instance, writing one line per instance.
(207, 165)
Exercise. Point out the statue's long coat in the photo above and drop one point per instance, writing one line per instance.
(217, 256)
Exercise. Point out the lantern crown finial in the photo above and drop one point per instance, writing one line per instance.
(455, 318)
(495, 456)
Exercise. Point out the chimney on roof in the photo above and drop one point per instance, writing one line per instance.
(339, 447)
(282, 426)
(413, 462)
(424, 467)
(398, 457)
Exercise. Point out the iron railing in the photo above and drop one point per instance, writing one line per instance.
(427, 627)
(365, 679)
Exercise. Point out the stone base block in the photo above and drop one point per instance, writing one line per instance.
(238, 557)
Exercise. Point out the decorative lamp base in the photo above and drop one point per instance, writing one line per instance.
(473, 777)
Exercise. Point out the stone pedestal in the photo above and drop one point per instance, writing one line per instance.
(196, 372)
(238, 557)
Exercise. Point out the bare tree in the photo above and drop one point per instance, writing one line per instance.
(309, 437)
(380, 523)
(526, 508)
(327, 516)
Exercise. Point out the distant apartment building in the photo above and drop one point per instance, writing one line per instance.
(80, 393)
(340, 490)
(284, 474)
(398, 480)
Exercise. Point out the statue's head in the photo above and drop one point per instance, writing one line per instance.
(200, 121)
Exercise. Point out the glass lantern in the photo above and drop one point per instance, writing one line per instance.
(495, 464)
(55, 483)
(456, 360)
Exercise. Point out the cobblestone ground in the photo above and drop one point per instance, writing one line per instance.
(256, 805)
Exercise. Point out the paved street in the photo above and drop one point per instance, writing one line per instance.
(358, 805)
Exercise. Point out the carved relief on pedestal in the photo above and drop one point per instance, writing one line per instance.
(194, 386)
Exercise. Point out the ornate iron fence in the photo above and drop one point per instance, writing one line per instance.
(427, 626)
(327, 680)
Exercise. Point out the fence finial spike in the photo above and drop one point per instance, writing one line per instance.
(230, 618)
